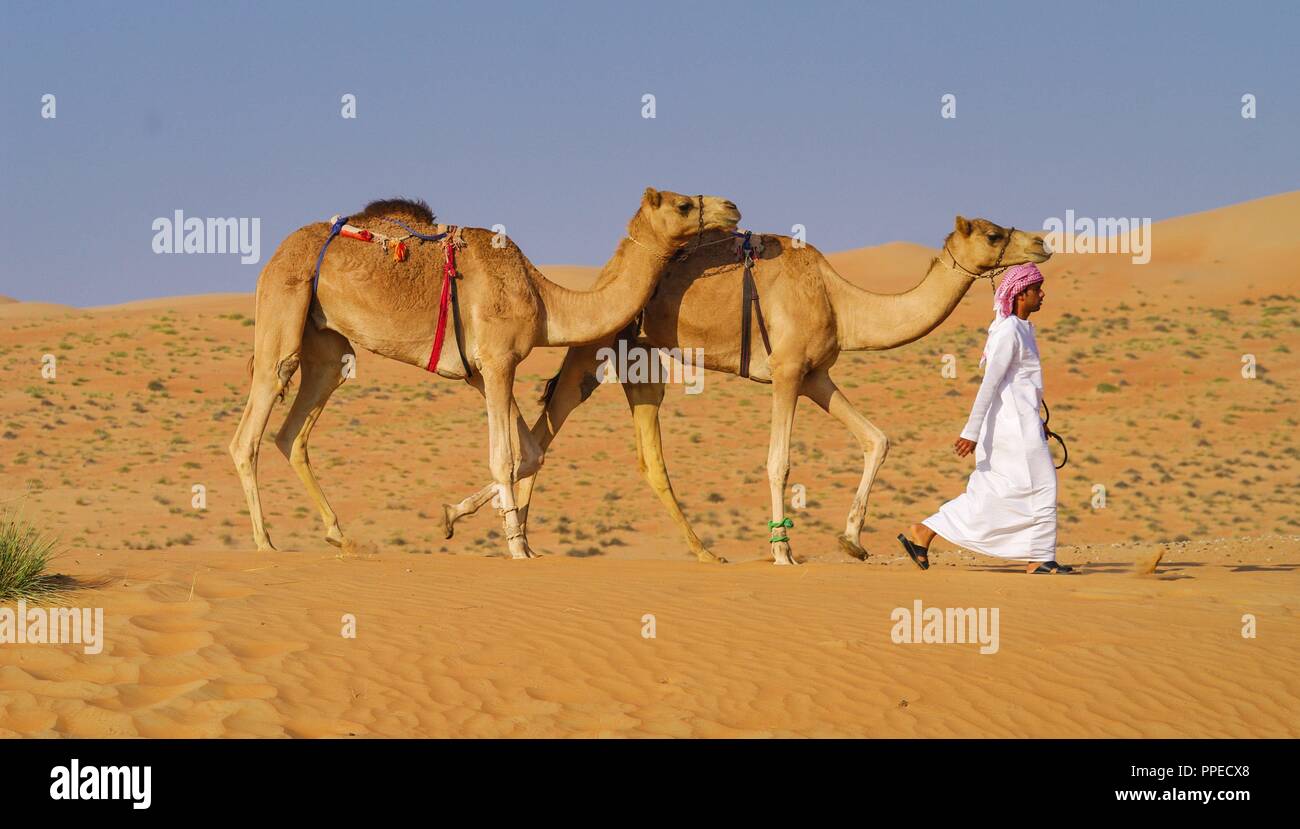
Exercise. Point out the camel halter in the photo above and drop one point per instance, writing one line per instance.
(686, 249)
(997, 268)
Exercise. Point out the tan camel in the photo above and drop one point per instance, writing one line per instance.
(507, 308)
(812, 315)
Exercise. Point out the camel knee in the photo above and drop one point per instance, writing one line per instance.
(503, 467)
(879, 445)
(296, 453)
(244, 456)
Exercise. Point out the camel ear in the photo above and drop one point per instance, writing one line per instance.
(652, 197)
(962, 226)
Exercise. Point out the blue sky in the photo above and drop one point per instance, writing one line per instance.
(529, 115)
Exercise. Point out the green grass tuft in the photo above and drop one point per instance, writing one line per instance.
(25, 553)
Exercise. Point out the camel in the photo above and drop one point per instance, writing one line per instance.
(812, 315)
(507, 308)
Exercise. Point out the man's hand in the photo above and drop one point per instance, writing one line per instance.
(963, 447)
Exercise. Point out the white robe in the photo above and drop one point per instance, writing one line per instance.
(1009, 507)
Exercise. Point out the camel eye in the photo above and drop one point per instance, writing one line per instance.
(684, 207)
(993, 237)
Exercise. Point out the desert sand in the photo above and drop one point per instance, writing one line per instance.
(1143, 372)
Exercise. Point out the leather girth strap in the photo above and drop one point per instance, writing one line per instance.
(449, 276)
(459, 330)
(749, 297)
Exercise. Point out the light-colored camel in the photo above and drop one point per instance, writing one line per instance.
(507, 308)
(812, 315)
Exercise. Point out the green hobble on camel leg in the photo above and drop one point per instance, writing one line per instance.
(785, 397)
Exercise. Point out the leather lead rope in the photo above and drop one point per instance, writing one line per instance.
(1050, 434)
(749, 297)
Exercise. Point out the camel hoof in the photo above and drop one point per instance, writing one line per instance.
(266, 547)
(853, 549)
(781, 554)
(448, 523)
(706, 557)
(1147, 564)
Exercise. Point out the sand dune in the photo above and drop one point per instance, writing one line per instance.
(205, 643)
(205, 637)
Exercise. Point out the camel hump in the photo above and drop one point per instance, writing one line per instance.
(415, 209)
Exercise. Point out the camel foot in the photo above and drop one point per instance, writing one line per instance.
(335, 536)
(346, 545)
(266, 547)
(1146, 564)
(448, 522)
(706, 557)
(853, 548)
(519, 548)
(781, 553)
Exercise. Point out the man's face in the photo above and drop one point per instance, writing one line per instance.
(1032, 298)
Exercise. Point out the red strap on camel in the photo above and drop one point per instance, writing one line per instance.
(448, 274)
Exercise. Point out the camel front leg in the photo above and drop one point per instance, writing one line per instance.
(573, 385)
(785, 396)
(874, 444)
(645, 400)
(498, 390)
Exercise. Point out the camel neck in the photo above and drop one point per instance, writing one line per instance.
(622, 289)
(867, 321)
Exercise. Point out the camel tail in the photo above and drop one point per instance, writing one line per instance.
(549, 390)
(284, 296)
(279, 398)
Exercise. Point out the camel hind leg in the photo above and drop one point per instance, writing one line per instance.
(323, 358)
(819, 388)
(281, 312)
(645, 399)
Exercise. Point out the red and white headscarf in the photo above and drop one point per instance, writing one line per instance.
(1014, 280)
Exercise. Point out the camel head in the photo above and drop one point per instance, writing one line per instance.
(672, 220)
(977, 244)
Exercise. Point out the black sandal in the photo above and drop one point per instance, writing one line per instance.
(1050, 567)
(914, 551)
